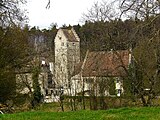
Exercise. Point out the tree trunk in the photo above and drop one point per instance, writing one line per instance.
(143, 101)
(61, 103)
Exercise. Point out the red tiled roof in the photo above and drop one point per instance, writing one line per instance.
(69, 35)
(102, 63)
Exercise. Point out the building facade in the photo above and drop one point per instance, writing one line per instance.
(67, 55)
(102, 72)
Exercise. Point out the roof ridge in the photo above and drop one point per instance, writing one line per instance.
(68, 33)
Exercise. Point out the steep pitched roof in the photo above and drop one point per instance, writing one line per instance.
(102, 63)
(70, 35)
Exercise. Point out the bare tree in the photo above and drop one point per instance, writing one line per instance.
(146, 54)
(100, 11)
(10, 12)
(140, 9)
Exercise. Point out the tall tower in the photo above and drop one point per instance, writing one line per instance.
(67, 55)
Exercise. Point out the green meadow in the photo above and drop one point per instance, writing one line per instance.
(141, 113)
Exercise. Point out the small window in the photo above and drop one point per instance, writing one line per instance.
(62, 44)
(51, 91)
(46, 92)
(119, 91)
(59, 37)
(117, 80)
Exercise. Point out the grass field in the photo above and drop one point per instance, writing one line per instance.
(150, 113)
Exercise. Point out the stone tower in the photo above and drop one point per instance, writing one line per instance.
(67, 55)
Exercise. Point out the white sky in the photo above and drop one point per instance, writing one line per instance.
(60, 12)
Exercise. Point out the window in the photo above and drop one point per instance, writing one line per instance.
(51, 91)
(117, 80)
(119, 91)
(62, 44)
(46, 92)
(61, 68)
(59, 37)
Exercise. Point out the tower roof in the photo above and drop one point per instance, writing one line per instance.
(70, 35)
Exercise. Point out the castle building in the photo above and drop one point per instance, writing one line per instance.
(67, 75)
(67, 55)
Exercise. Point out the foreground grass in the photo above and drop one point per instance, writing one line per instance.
(150, 113)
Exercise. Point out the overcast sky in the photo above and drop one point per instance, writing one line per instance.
(60, 12)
